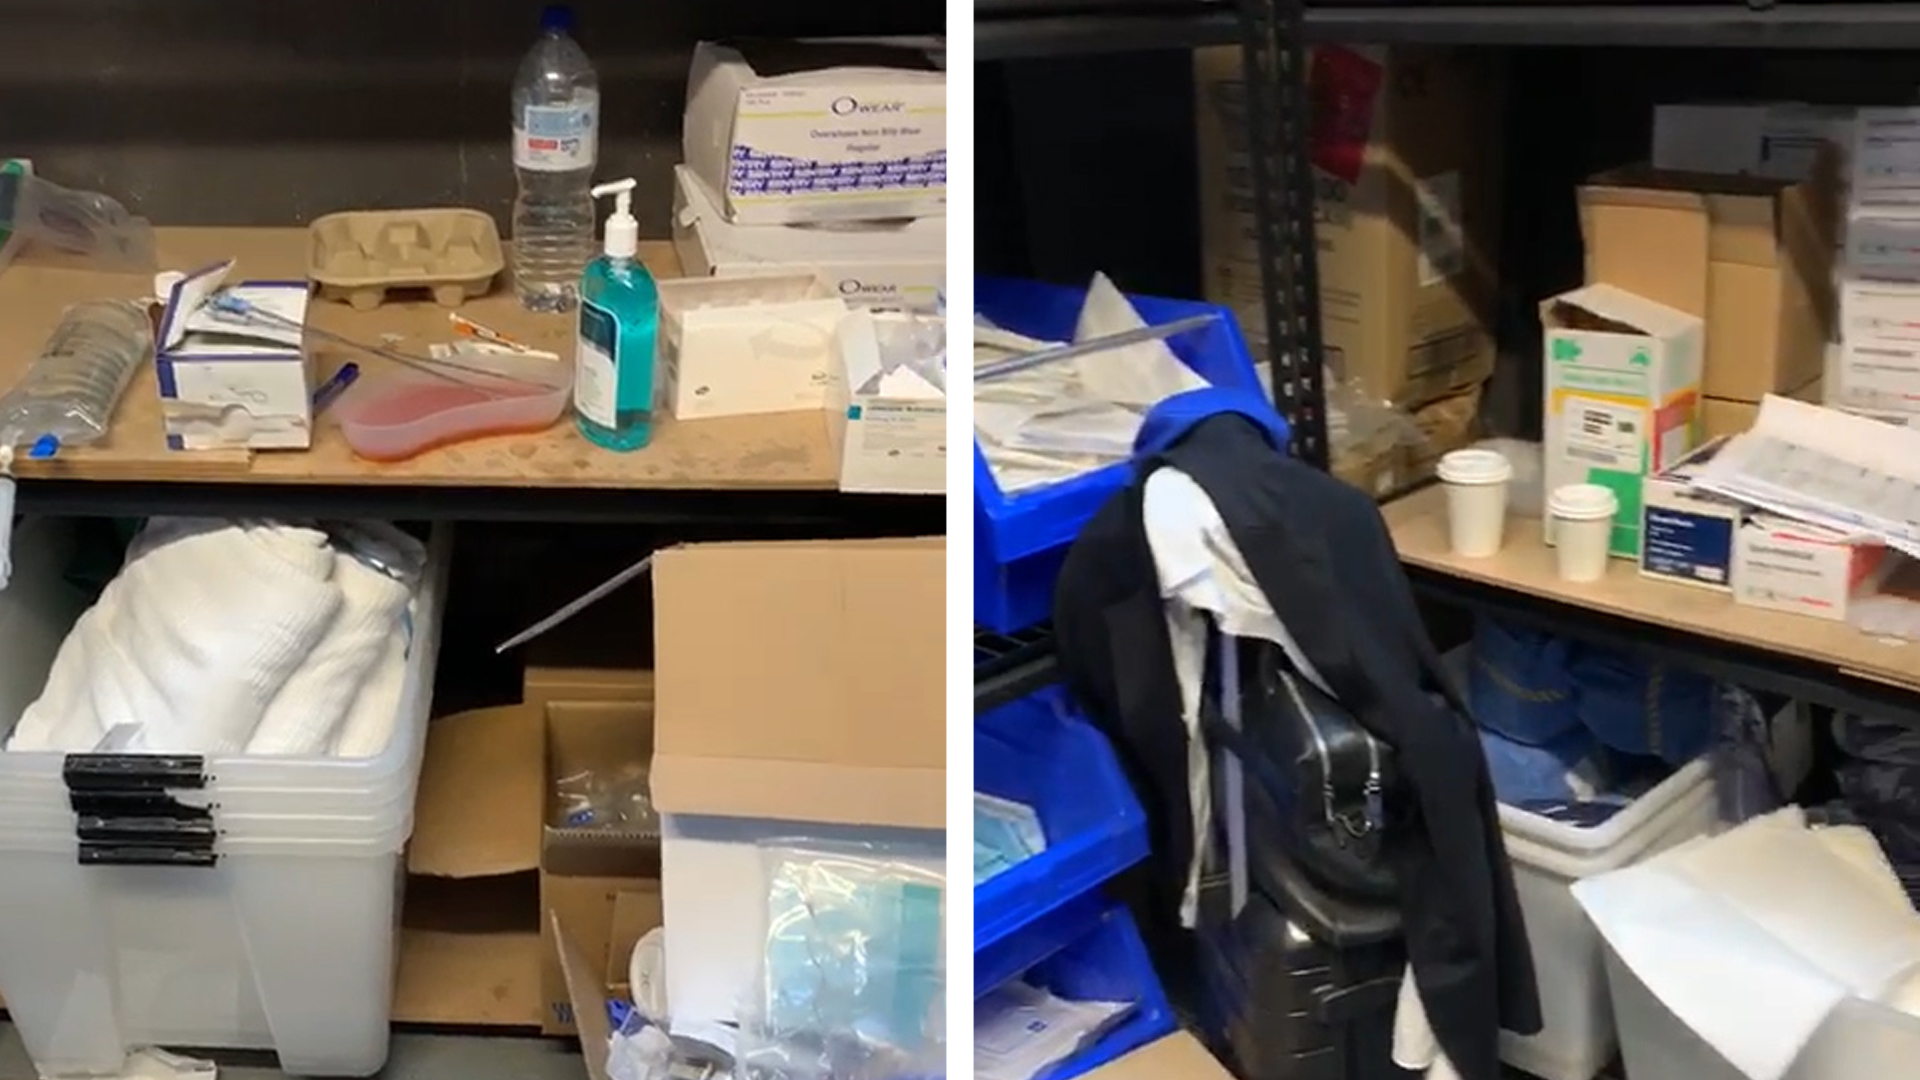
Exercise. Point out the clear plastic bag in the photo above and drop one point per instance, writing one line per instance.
(852, 985)
(94, 226)
(606, 800)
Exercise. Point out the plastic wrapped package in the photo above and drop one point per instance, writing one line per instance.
(1440, 427)
(617, 799)
(1368, 439)
(852, 983)
(88, 224)
(1045, 424)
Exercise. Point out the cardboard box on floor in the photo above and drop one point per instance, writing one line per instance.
(1406, 154)
(801, 691)
(1177, 1057)
(1752, 257)
(483, 867)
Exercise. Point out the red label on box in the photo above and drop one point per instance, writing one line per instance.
(1344, 87)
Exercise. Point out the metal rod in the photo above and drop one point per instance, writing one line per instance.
(1056, 353)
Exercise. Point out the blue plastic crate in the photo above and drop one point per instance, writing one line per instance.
(1107, 962)
(1020, 541)
(1035, 751)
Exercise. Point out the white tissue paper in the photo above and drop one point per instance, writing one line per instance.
(1057, 421)
(1754, 938)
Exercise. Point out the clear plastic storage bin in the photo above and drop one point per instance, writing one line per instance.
(282, 937)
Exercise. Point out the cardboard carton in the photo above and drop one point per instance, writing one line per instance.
(1752, 257)
(1407, 170)
(1177, 1057)
(483, 866)
(1687, 535)
(793, 131)
(470, 938)
(585, 872)
(801, 692)
(888, 429)
(900, 263)
(1791, 566)
(1622, 395)
(1719, 416)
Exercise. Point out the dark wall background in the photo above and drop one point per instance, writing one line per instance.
(238, 112)
(1088, 164)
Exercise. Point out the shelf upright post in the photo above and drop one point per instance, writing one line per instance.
(1279, 118)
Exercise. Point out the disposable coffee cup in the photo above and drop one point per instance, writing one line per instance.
(1476, 482)
(1582, 529)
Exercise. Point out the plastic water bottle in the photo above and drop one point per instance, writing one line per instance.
(556, 139)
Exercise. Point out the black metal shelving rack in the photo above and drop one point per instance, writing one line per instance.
(1271, 36)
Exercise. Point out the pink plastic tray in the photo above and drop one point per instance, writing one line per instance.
(396, 418)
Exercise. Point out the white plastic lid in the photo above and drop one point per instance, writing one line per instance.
(1475, 466)
(1583, 502)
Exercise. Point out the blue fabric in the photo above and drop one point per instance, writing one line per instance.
(1637, 707)
(1169, 421)
(1523, 773)
(1520, 685)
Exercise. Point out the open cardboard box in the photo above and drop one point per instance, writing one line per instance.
(484, 865)
(801, 692)
(1179, 1056)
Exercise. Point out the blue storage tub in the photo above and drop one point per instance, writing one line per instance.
(1107, 961)
(1035, 751)
(1020, 541)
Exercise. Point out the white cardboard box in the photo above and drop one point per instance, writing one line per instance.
(1885, 162)
(746, 346)
(791, 132)
(1883, 244)
(837, 735)
(1687, 535)
(1622, 393)
(1778, 140)
(889, 428)
(230, 382)
(1784, 565)
(881, 264)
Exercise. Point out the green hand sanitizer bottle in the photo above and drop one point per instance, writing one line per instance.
(619, 315)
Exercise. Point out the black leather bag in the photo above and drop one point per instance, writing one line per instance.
(1316, 773)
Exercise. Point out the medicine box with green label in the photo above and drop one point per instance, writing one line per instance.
(1622, 396)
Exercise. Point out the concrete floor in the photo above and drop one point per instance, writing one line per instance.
(415, 1057)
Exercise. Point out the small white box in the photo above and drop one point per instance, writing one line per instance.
(881, 264)
(1886, 157)
(230, 380)
(1883, 244)
(1687, 535)
(1784, 565)
(889, 427)
(790, 132)
(1778, 140)
(746, 346)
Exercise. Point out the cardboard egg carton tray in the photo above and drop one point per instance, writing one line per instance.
(361, 256)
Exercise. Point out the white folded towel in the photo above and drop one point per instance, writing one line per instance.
(369, 725)
(306, 715)
(192, 642)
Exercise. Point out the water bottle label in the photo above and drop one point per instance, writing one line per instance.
(596, 374)
(557, 138)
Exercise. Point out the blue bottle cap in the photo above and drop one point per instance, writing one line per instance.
(44, 447)
(557, 18)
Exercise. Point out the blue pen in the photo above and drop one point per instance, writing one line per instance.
(335, 386)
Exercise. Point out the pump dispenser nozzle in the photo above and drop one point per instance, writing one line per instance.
(623, 232)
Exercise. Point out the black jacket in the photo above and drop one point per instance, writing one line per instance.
(1323, 557)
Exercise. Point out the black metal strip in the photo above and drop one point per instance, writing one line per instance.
(1279, 142)
(135, 804)
(169, 833)
(128, 773)
(1008, 667)
(1799, 677)
(890, 515)
(126, 855)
